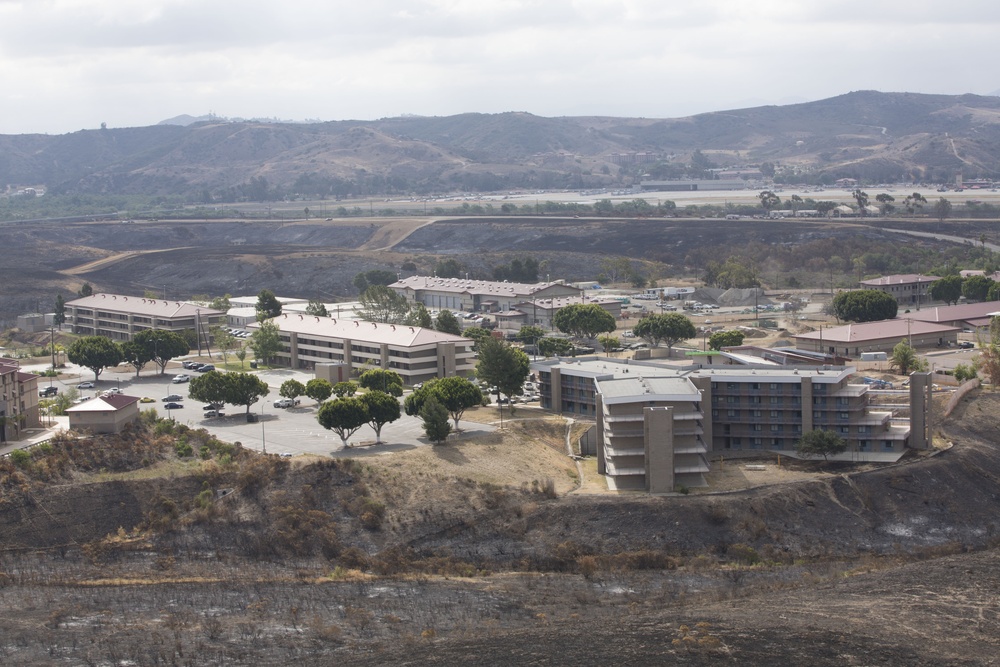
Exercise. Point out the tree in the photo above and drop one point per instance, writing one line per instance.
(865, 305)
(86, 290)
(886, 201)
(345, 388)
(862, 199)
(225, 341)
(721, 339)
(942, 209)
(477, 334)
(135, 355)
(914, 203)
(947, 289)
(615, 269)
(209, 387)
(904, 359)
(243, 389)
(608, 343)
(221, 303)
(449, 268)
(382, 380)
(518, 271)
(343, 416)
(95, 353)
(366, 279)
(319, 390)
(265, 341)
(382, 409)
(964, 372)
(502, 366)
(820, 442)
(529, 333)
(448, 323)
(317, 309)
(381, 304)
(667, 327)
(584, 320)
(60, 311)
(291, 389)
(994, 293)
(435, 421)
(162, 346)
(268, 306)
(241, 354)
(419, 317)
(824, 207)
(549, 346)
(768, 200)
(456, 394)
(975, 288)
(989, 353)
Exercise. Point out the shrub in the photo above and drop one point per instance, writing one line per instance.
(20, 458)
(183, 449)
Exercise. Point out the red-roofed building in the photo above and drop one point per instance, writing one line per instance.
(964, 315)
(18, 400)
(104, 414)
(852, 339)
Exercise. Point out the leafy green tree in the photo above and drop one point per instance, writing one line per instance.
(317, 309)
(670, 328)
(86, 290)
(865, 305)
(862, 199)
(584, 320)
(265, 341)
(95, 353)
(477, 334)
(60, 311)
(135, 355)
(942, 209)
(964, 372)
(221, 303)
(345, 388)
(989, 353)
(975, 288)
(225, 341)
(947, 289)
(343, 416)
(319, 390)
(608, 343)
(904, 359)
(381, 304)
(268, 306)
(243, 389)
(735, 272)
(721, 339)
(449, 268)
(614, 270)
(994, 293)
(448, 323)
(209, 387)
(529, 333)
(456, 394)
(824, 207)
(366, 279)
(550, 346)
(885, 200)
(379, 379)
(382, 409)
(435, 421)
(518, 271)
(502, 366)
(914, 203)
(291, 389)
(768, 200)
(820, 442)
(419, 317)
(241, 354)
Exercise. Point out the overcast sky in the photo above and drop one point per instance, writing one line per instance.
(67, 65)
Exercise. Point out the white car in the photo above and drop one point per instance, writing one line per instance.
(178, 379)
(286, 402)
(85, 385)
(113, 390)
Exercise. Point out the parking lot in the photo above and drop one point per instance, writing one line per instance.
(276, 430)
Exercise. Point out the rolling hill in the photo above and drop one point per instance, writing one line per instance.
(873, 135)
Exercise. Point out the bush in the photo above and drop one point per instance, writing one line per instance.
(183, 449)
(20, 458)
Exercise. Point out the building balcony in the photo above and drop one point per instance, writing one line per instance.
(617, 471)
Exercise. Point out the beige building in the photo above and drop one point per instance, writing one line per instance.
(463, 295)
(18, 400)
(906, 288)
(851, 340)
(542, 312)
(417, 354)
(119, 317)
(104, 414)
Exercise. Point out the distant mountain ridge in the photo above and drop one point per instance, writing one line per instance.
(874, 135)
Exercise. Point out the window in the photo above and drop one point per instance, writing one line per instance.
(756, 413)
(731, 386)
(758, 427)
(773, 386)
(755, 400)
(843, 401)
(844, 415)
(775, 428)
(775, 414)
(887, 445)
(733, 413)
(845, 429)
(775, 400)
(864, 429)
(775, 443)
(755, 385)
(756, 443)
(863, 445)
(715, 414)
(732, 399)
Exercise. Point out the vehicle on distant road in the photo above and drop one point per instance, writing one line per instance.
(85, 385)
(48, 391)
(172, 397)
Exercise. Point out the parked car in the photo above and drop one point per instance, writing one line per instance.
(113, 390)
(173, 406)
(183, 377)
(204, 368)
(48, 391)
(85, 385)
(214, 413)
(146, 399)
(195, 365)
(172, 397)
(212, 406)
(286, 402)
(189, 364)
(966, 345)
